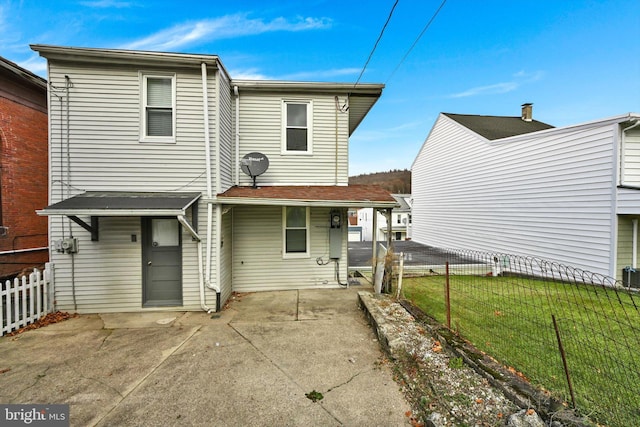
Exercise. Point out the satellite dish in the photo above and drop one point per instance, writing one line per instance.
(254, 164)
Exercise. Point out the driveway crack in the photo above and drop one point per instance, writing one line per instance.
(347, 381)
(37, 380)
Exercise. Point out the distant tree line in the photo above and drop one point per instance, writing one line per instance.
(394, 181)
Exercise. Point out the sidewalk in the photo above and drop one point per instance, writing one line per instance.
(252, 364)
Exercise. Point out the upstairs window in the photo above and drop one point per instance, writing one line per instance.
(297, 127)
(296, 231)
(158, 113)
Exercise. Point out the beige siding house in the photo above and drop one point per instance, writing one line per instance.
(514, 185)
(153, 160)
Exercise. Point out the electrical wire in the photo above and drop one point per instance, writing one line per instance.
(426, 27)
(376, 44)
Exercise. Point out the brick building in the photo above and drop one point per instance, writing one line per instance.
(23, 169)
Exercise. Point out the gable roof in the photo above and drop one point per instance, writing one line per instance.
(497, 127)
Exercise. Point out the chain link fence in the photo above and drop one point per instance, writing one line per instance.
(572, 333)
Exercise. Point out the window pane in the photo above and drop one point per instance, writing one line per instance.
(159, 122)
(296, 241)
(165, 232)
(296, 140)
(159, 92)
(297, 115)
(296, 217)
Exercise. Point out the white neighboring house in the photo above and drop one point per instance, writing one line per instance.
(515, 185)
(400, 221)
(150, 205)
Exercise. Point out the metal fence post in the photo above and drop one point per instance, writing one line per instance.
(447, 302)
(564, 360)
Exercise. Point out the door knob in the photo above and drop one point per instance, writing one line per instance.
(149, 263)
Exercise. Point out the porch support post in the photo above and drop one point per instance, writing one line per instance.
(374, 234)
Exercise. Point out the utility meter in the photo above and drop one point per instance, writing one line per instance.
(336, 219)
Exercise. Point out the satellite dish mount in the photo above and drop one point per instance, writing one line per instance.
(254, 164)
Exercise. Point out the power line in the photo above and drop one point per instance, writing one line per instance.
(417, 39)
(376, 44)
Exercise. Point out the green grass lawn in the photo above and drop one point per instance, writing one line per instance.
(510, 318)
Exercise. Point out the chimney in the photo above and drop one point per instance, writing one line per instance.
(527, 112)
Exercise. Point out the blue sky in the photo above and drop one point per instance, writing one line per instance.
(575, 60)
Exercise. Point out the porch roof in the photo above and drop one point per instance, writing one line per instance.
(364, 196)
(115, 203)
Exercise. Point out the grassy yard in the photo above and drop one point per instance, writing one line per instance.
(510, 318)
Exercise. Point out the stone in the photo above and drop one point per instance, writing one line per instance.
(525, 418)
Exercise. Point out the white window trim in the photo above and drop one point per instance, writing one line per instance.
(143, 75)
(309, 104)
(296, 255)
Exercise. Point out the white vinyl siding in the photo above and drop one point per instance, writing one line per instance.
(105, 155)
(107, 275)
(104, 149)
(258, 263)
(547, 195)
(631, 158)
(225, 137)
(261, 130)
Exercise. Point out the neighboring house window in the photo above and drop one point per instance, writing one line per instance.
(399, 219)
(297, 127)
(158, 113)
(296, 231)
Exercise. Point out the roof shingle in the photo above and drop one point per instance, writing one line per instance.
(497, 127)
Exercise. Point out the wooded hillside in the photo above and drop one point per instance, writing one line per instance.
(394, 181)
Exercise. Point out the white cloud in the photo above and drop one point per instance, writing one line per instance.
(248, 74)
(224, 27)
(36, 65)
(322, 74)
(519, 78)
(487, 90)
(105, 4)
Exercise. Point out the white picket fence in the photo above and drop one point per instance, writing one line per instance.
(25, 300)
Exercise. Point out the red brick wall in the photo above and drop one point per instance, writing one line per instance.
(23, 176)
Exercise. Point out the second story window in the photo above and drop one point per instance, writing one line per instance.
(158, 108)
(297, 127)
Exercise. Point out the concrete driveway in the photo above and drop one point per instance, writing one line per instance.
(250, 365)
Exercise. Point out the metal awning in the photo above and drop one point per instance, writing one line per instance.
(115, 203)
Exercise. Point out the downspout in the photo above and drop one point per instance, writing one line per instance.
(204, 280)
(336, 165)
(216, 287)
(236, 92)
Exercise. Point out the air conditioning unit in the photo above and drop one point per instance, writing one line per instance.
(630, 277)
